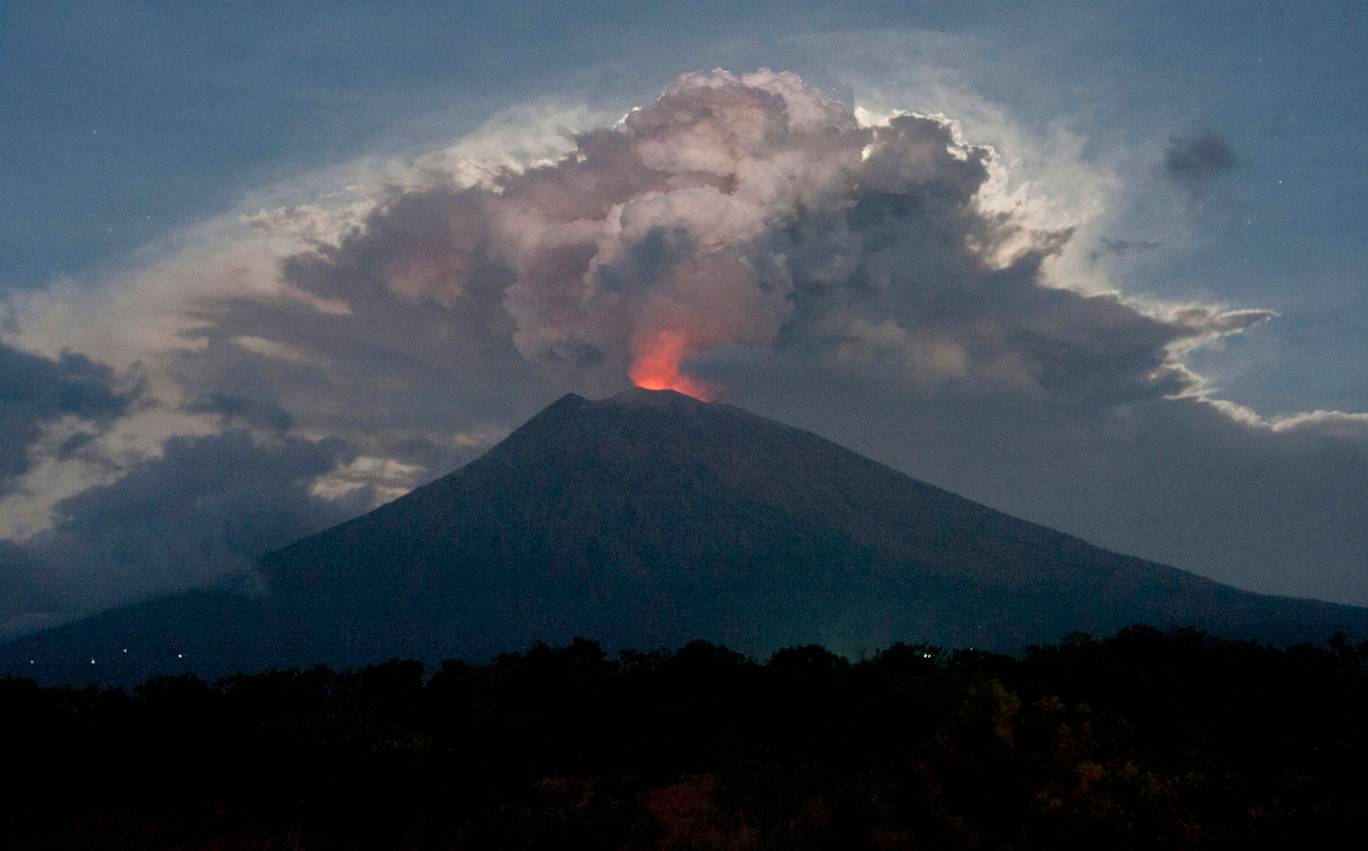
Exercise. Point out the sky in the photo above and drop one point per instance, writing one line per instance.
(1099, 265)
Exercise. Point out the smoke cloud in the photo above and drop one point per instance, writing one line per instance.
(751, 212)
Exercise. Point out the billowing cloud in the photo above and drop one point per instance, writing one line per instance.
(743, 237)
(748, 212)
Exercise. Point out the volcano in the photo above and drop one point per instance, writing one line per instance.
(652, 519)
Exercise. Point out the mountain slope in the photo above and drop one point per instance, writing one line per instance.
(652, 519)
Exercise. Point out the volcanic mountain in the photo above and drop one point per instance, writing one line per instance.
(651, 519)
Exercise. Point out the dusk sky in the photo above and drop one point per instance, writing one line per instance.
(1099, 265)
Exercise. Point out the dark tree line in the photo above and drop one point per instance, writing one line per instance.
(1144, 740)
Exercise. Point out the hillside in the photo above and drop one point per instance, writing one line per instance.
(651, 519)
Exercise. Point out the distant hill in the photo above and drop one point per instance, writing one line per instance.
(650, 519)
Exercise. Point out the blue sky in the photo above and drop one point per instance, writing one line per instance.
(136, 137)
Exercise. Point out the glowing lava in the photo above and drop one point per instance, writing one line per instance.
(656, 366)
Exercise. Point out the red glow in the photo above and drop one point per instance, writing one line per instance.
(656, 366)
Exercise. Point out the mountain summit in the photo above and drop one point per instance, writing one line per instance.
(651, 519)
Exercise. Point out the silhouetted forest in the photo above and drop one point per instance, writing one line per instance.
(1146, 739)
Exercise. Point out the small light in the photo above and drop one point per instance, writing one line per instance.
(92, 661)
(180, 655)
(125, 649)
(30, 661)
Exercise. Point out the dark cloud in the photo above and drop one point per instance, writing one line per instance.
(1195, 163)
(1123, 247)
(72, 446)
(203, 510)
(242, 410)
(434, 458)
(1172, 480)
(36, 391)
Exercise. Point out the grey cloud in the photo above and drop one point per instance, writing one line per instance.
(203, 510)
(73, 445)
(36, 390)
(436, 459)
(1124, 247)
(1195, 163)
(262, 413)
(1172, 480)
(391, 370)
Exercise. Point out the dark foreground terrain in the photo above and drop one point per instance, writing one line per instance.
(1147, 739)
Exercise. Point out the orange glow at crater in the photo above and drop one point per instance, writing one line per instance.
(656, 366)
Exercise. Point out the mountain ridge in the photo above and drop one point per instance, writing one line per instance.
(650, 519)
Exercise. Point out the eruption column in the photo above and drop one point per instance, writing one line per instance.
(656, 366)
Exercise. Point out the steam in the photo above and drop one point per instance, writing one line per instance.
(674, 233)
(752, 213)
(655, 366)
